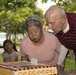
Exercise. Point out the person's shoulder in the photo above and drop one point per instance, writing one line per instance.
(4, 54)
(49, 33)
(25, 38)
(68, 14)
(14, 52)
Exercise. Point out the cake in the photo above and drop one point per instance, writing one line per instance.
(25, 68)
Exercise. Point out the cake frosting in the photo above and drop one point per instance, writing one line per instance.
(25, 68)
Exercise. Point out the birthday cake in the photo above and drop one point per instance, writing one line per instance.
(25, 68)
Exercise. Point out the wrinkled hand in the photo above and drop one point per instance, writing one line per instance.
(72, 72)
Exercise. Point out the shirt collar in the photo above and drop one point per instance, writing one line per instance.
(66, 29)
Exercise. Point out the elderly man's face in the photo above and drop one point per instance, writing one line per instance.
(34, 33)
(54, 22)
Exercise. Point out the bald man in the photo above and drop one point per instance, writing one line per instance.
(64, 26)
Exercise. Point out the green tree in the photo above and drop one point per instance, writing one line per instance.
(13, 14)
(68, 5)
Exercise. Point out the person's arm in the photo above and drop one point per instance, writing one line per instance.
(62, 56)
(23, 55)
(22, 52)
(17, 55)
(5, 57)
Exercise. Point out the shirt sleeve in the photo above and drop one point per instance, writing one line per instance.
(63, 52)
(58, 48)
(22, 51)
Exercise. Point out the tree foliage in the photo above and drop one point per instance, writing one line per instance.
(14, 12)
(67, 5)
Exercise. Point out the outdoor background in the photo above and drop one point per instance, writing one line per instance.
(13, 13)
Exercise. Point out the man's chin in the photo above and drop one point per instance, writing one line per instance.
(56, 32)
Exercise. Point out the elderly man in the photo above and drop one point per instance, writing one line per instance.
(64, 26)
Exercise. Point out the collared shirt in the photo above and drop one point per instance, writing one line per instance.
(63, 50)
(66, 29)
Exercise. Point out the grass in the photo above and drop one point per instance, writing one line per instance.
(1, 59)
(70, 63)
